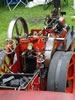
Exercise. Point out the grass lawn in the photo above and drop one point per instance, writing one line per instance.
(32, 16)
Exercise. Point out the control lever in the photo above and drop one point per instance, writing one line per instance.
(72, 32)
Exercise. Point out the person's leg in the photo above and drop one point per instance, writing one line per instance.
(4, 2)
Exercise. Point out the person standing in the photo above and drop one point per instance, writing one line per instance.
(56, 3)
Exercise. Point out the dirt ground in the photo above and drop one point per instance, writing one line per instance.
(37, 20)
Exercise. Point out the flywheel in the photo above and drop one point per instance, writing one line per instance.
(61, 73)
(17, 29)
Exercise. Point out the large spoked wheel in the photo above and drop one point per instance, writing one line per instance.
(61, 74)
(17, 29)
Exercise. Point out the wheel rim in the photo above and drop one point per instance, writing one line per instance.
(52, 70)
(17, 29)
(70, 86)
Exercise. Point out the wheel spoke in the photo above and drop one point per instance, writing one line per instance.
(6, 50)
(4, 45)
(13, 43)
(8, 42)
(11, 49)
(70, 65)
(17, 29)
(74, 86)
(70, 78)
(73, 59)
(68, 90)
(20, 30)
(6, 64)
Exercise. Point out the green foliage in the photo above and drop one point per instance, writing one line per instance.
(30, 14)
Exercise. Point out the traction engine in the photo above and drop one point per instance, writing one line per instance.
(41, 61)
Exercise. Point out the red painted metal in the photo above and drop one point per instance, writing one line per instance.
(35, 30)
(7, 65)
(43, 31)
(35, 84)
(37, 41)
(71, 76)
(62, 20)
(4, 68)
(40, 44)
(62, 36)
(24, 43)
(34, 95)
(17, 66)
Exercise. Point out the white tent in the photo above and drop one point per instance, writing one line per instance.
(36, 3)
(74, 4)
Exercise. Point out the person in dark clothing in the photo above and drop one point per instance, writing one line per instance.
(56, 3)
